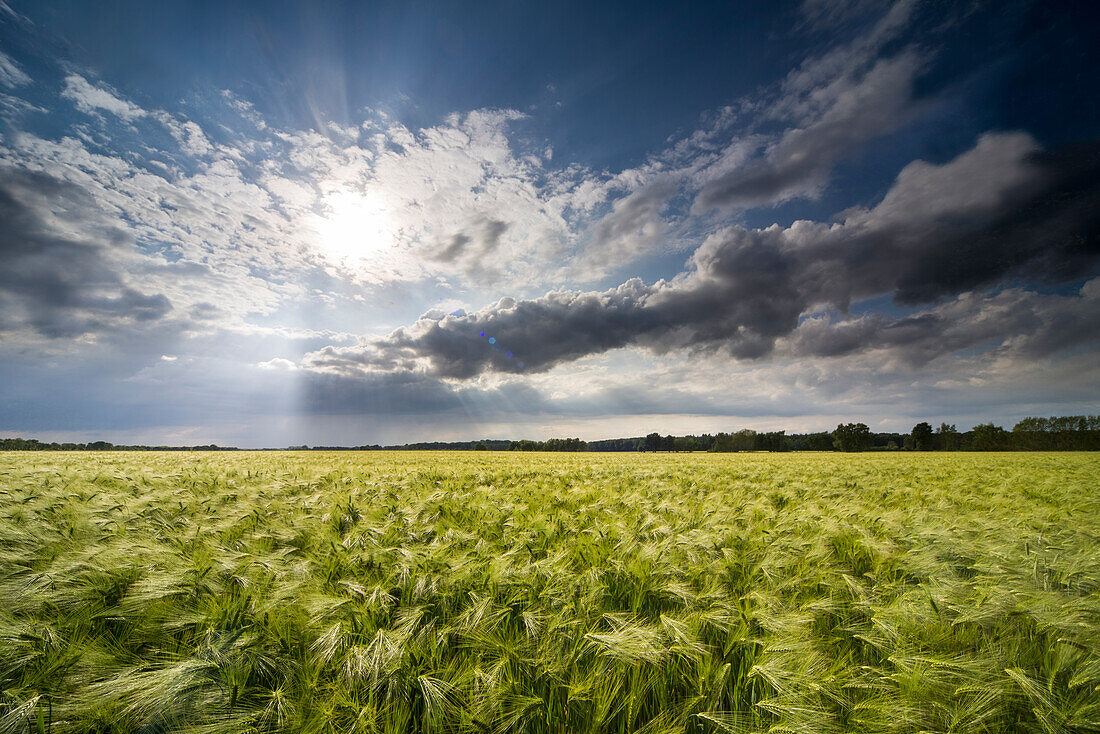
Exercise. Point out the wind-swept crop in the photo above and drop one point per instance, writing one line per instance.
(491, 592)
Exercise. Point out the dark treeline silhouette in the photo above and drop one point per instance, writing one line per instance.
(551, 444)
(31, 444)
(1066, 433)
(617, 444)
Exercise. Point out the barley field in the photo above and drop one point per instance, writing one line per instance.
(500, 592)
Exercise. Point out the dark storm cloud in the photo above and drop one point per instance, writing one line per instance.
(556, 327)
(58, 272)
(1050, 224)
(1002, 210)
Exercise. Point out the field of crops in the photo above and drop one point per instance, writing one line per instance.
(494, 592)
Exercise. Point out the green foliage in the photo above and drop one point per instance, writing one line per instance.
(749, 440)
(507, 592)
(988, 437)
(821, 441)
(1074, 433)
(922, 436)
(852, 437)
(744, 440)
(550, 444)
(947, 437)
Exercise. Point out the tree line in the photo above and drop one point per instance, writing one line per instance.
(1065, 433)
(31, 444)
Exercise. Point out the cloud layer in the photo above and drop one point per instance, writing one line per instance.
(1004, 209)
(64, 275)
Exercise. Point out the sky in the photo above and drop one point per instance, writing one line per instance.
(264, 224)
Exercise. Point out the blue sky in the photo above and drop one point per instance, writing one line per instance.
(264, 224)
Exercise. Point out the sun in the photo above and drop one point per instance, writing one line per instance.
(354, 227)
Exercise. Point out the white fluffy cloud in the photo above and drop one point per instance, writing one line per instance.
(90, 98)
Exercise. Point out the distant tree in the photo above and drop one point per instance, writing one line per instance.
(947, 437)
(772, 441)
(617, 444)
(652, 442)
(822, 441)
(1032, 434)
(922, 436)
(1073, 432)
(480, 446)
(684, 443)
(564, 444)
(988, 437)
(852, 437)
(743, 440)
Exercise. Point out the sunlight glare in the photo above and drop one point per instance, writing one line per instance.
(355, 226)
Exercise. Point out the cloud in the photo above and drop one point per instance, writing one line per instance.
(632, 228)
(631, 393)
(460, 195)
(231, 229)
(475, 246)
(10, 73)
(411, 394)
(1002, 209)
(1044, 226)
(89, 98)
(278, 364)
(859, 108)
(5, 8)
(1024, 323)
(830, 105)
(465, 199)
(62, 269)
(190, 136)
(189, 222)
